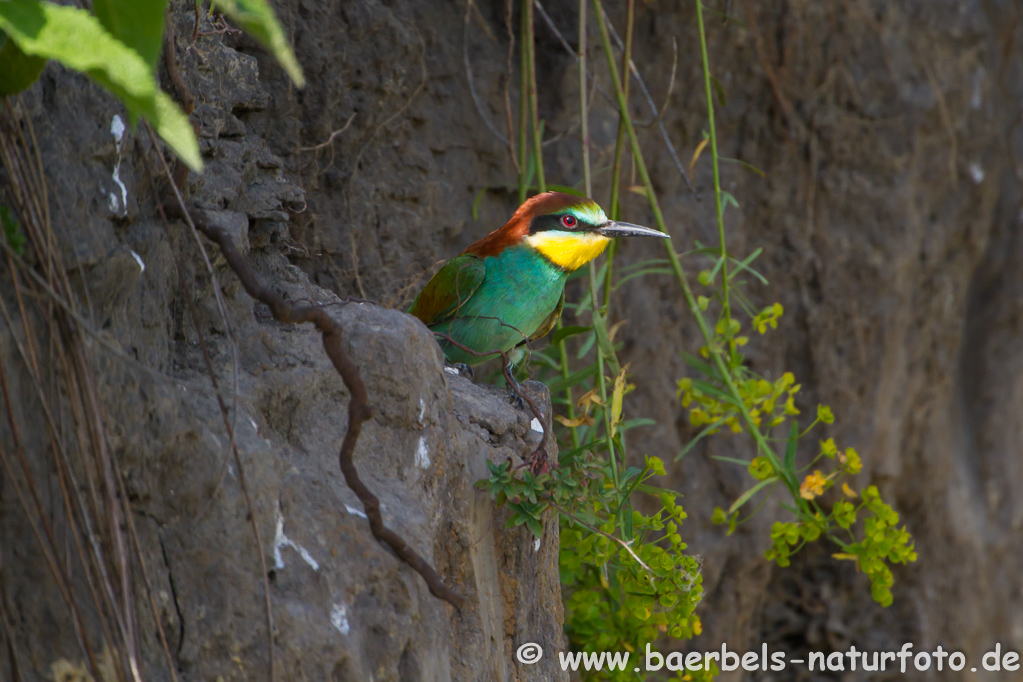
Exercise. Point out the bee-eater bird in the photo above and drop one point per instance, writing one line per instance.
(509, 287)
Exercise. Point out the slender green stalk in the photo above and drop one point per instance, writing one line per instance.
(600, 304)
(588, 186)
(528, 110)
(584, 122)
(523, 106)
(530, 49)
(616, 171)
(601, 380)
(726, 310)
(676, 265)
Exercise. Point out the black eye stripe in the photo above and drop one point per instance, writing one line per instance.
(556, 221)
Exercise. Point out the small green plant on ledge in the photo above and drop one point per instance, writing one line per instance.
(627, 579)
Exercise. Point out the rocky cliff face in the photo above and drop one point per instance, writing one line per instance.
(889, 218)
(343, 606)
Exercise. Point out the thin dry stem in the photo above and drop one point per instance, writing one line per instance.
(330, 140)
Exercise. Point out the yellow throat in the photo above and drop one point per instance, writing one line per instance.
(568, 250)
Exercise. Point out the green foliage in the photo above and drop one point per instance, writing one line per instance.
(626, 577)
(617, 603)
(619, 594)
(138, 24)
(78, 40)
(747, 402)
(17, 69)
(13, 235)
(118, 48)
(256, 18)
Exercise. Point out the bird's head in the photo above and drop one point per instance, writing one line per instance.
(571, 231)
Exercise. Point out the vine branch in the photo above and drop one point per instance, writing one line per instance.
(359, 410)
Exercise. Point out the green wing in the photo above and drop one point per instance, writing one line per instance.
(551, 320)
(449, 289)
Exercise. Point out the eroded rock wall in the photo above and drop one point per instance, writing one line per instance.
(889, 218)
(344, 607)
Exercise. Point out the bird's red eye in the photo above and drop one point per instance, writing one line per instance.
(568, 221)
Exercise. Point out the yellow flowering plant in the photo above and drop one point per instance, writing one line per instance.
(737, 400)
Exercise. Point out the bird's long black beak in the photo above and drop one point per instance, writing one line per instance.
(616, 229)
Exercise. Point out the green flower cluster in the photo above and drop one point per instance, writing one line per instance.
(622, 589)
(622, 598)
(883, 542)
(763, 399)
(746, 402)
(786, 536)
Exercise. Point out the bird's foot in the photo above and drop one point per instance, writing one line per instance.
(461, 369)
(516, 400)
(515, 389)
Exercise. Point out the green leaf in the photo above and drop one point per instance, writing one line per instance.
(718, 262)
(12, 231)
(625, 511)
(76, 39)
(476, 203)
(586, 346)
(138, 24)
(256, 18)
(17, 69)
(566, 332)
(641, 273)
(540, 358)
(744, 265)
(744, 498)
(634, 423)
(653, 489)
(726, 18)
(630, 473)
(744, 164)
(616, 401)
(604, 342)
(790, 452)
(719, 90)
(696, 439)
(534, 526)
(712, 390)
(664, 262)
(565, 456)
(730, 460)
(573, 379)
(701, 366)
(551, 187)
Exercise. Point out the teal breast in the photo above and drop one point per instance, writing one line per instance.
(519, 291)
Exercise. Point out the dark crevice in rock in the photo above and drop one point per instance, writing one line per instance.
(174, 597)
